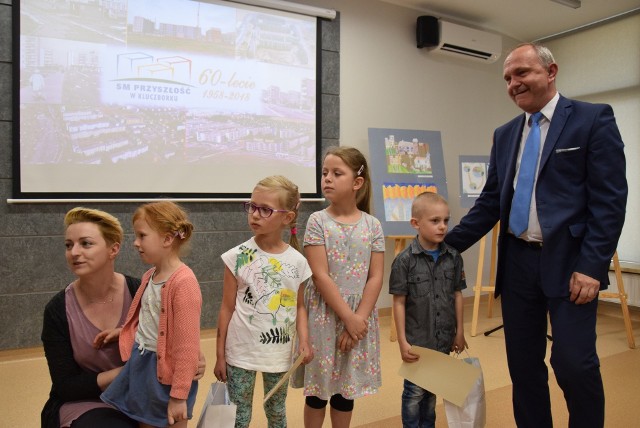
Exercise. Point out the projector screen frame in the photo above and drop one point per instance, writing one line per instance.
(20, 196)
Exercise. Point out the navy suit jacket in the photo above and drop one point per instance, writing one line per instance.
(581, 195)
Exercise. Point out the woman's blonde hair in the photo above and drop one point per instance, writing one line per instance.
(108, 225)
(356, 161)
(166, 217)
(289, 198)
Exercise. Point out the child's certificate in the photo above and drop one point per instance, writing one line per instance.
(443, 375)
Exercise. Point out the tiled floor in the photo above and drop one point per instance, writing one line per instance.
(25, 381)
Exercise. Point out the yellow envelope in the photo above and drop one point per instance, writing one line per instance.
(446, 376)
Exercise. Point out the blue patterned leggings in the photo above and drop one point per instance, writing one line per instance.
(241, 384)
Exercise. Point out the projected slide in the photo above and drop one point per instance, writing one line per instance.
(164, 97)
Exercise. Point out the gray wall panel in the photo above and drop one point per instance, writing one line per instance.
(32, 262)
(330, 34)
(330, 73)
(5, 89)
(330, 115)
(5, 150)
(5, 33)
(21, 319)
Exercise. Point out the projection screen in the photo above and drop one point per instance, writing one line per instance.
(174, 98)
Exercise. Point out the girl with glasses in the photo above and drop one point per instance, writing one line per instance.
(262, 306)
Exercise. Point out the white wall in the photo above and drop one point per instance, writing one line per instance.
(602, 65)
(387, 82)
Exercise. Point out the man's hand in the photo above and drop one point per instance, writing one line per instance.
(583, 288)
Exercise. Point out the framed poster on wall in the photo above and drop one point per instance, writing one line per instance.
(404, 163)
(473, 176)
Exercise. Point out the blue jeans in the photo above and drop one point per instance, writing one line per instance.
(418, 407)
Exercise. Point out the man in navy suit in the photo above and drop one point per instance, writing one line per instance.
(559, 263)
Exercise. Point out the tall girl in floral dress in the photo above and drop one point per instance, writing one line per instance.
(344, 245)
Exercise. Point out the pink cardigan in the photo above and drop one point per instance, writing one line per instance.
(178, 330)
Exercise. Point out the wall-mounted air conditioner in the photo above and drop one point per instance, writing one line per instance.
(448, 38)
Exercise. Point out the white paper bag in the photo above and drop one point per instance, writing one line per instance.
(218, 411)
(473, 413)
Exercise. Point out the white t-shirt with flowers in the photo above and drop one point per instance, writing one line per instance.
(263, 325)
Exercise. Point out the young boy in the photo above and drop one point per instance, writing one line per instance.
(426, 281)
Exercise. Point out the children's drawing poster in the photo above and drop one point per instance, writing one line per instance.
(404, 163)
(473, 175)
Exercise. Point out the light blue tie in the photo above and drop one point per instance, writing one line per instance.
(519, 218)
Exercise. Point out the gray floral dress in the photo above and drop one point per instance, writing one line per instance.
(355, 373)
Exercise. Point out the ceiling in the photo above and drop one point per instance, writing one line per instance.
(523, 20)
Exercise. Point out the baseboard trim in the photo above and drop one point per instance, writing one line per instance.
(613, 309)
(384, 312)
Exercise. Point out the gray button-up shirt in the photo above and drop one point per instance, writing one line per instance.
(430, 313)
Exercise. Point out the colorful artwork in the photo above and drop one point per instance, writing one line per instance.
(398, 198)
(473, 176)
(404, 163)
(407, 157)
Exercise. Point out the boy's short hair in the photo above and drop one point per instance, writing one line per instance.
(426, 198)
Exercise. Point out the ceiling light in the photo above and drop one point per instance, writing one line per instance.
(571, 3)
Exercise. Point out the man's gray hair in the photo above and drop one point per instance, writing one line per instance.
(544, 54)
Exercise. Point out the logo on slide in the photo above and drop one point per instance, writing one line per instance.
(142, 66)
